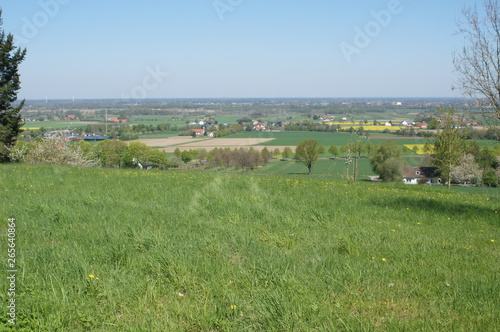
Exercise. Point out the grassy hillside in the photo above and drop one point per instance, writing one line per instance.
(122, 250)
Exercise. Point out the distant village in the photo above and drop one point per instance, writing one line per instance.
(209, 127)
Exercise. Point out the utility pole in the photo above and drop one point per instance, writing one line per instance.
(106, 122)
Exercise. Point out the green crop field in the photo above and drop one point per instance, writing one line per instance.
(335, 168)
(293, 138)
(128, 250)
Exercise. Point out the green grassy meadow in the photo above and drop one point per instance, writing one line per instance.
(129, 250)
(335, 168)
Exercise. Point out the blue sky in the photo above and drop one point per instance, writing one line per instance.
(235, 48)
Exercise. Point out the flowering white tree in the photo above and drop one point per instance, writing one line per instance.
(468, 172)
(56, 151)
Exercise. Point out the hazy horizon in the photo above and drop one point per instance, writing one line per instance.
(253, 98)
(235, 49)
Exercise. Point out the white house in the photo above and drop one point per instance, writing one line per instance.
(407, 123)
(414, 175)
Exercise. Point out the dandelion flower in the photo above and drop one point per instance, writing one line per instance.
(233, 306)
(384, 259)
(492, 240)
(91, 276)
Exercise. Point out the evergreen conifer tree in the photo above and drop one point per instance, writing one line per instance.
(10, 118)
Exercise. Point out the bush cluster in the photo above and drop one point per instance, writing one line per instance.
(108, 153)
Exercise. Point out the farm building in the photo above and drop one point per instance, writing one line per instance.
(198, 132)
(413, 175)
(96, 138)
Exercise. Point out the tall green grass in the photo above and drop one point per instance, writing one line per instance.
(188, 251)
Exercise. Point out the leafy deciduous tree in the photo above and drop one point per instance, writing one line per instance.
(491, 178)
(448, 146)
(138, 151)
(486, 158)
(333, 150)
(277, 153)
(287, 153)
(111, 152)
(307, 152)
(266, 155)
(186, 156)
(387, 161)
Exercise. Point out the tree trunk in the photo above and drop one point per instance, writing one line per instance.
(355, 168)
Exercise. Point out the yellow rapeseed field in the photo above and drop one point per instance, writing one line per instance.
(348, 124)
(420, 148)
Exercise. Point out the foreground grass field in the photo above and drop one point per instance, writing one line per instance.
(122, 250)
